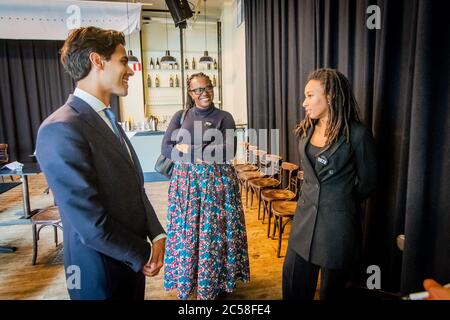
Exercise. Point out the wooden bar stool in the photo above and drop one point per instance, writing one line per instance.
(289, 193)
(251, 162)
(285, 210)
(280, 210)
(246, 176)
(45, 217)
(270, 165)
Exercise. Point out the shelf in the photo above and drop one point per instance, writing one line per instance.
(164, 104)
(164, 70)
(163, 52)
(179, 70)
(163, 87)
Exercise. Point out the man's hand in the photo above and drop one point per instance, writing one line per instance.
(436, 291)
(182, 147)
(156, 262)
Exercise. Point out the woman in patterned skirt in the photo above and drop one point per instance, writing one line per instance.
(206, 248)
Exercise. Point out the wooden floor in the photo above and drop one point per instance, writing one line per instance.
(19, 279)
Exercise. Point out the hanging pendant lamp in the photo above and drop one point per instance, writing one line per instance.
(131, 58)
(167, 59)
(206, 58)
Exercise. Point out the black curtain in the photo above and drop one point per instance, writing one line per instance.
(400, 76)
(33, 84)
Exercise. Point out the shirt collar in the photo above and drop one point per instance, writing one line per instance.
(92, 101)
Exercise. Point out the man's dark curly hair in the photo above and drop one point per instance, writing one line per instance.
(81, 42)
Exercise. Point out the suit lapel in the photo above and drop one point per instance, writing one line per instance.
(321, 166)
(308, 166)
(93, 119)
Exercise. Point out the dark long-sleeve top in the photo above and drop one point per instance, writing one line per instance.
(205, 146)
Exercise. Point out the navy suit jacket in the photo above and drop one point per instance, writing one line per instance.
(100, 193)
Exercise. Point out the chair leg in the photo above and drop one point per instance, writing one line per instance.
(281, 229)
(269, 213)
(246, 194)
(259, 202)
(252, 192)
(35, 243)
(275, 226)
(264, 211)
(55, 230)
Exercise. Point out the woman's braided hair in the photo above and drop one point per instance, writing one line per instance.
(342, 109)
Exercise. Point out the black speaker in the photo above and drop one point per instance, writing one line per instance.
(180, 11)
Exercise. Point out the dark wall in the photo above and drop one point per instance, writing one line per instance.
(400, 76)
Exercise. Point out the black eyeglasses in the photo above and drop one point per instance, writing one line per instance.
(199, 91)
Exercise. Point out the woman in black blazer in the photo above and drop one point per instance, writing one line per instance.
(338, 159)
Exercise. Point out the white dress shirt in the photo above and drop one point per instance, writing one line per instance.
(98, 107)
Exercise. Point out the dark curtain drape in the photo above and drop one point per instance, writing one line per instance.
(33, 84)
(400, 76)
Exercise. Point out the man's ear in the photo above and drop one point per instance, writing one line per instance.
(96, 61)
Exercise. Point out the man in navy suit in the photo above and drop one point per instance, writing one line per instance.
(96, 178)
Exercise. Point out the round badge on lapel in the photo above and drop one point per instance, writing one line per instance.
(322, 160)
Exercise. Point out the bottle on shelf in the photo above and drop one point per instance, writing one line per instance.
(171, 81)
(175, 66)
(209, 66)
(214, 81)
(187, 81)
(171, 66)
(158, 66)
(186, 64)
(193, 64)
(157, 81)
(149, 81)
(177, 81)
(215, 64)
(152, 66)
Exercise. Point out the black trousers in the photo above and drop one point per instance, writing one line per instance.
(300, 280)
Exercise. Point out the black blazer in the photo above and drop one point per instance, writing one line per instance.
(326, 226)
(99, 190)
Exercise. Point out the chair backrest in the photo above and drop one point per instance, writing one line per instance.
(289, 170)
(245, 146)
(252, 157)
(270, 165)
(4, 158)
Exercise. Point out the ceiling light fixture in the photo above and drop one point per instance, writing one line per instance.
(206, 58)
(167, 59)
(131, 58)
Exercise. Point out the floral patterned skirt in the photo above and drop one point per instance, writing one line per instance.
(206, 245)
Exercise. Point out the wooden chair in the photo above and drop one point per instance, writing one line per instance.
(246, 176)
(270, 195)
(250, 161)
(285, 210)
(4, 158)
(270, 166)
(45, 217)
